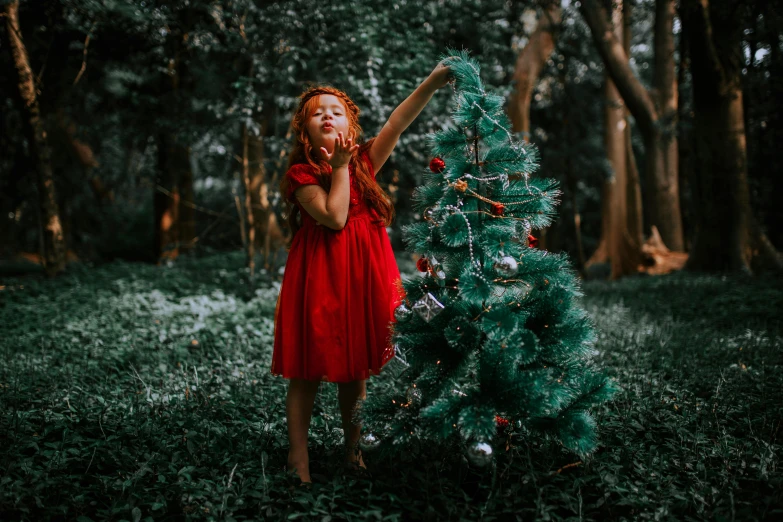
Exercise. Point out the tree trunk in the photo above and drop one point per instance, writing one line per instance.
(684, 137)
(166, 202)
(655, 114)
(663, 183)
(621, 238)
(601, 253)
(530, 62)
(181, 82)
(623, 253)
(187, 212)
(173, 201)
(250, 228)
(633, 185)
(726, 237)
(52, 238)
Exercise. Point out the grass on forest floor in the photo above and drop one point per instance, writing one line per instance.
(137, 392)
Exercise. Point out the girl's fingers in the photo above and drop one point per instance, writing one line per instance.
(325, 152)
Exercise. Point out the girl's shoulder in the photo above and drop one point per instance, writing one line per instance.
(300, 174)
(301, 169)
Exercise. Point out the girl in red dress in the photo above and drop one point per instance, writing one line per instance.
(341, 281)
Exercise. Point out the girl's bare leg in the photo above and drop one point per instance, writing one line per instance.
(299, 407)
(347, 395)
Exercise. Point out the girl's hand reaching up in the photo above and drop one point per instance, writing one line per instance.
(439, 76)
(341, 153)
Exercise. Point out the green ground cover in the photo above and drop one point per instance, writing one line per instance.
(135, 392)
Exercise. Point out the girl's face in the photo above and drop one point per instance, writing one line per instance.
(328, 118)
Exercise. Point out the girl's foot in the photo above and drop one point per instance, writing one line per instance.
(299, 473)
(353, 455)
(354, 465)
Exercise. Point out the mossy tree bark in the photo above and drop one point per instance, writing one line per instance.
(52, 237)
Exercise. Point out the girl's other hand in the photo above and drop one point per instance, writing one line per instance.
(440, 76)
(341, 153)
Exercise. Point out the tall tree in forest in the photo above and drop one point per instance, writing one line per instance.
(621, 227)
(52, 239)
(727, 236)
(655, 111)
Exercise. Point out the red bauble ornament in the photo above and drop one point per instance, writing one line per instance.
(532, 242)
(500, 422)
(423, 264)
(437, 165)
(498, 209)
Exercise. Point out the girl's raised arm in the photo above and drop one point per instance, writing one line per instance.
(404, 114)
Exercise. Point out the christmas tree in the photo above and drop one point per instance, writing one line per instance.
(491, 332)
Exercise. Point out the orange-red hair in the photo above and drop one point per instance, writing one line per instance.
(302, 152)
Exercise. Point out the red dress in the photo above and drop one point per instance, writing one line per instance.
(340, 288)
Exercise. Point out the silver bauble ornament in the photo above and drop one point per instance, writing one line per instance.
(429, 214)
(506, 266)
(402, 313)
(479, 454)
(369, 441)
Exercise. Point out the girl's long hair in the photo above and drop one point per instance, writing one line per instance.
(302, 152)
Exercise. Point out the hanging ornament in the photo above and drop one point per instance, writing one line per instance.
(428, 307)
(506, 266)
(403, 314)
(461, 185)
(400, 355)
(500, 422)
(479, 454)
(437, 165)
(436, 269)
(414, 395)
(498, 209)
(532, 242)
(423, 264)
(369, 441)
(429, 214)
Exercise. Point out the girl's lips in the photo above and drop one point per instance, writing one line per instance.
(327, 126)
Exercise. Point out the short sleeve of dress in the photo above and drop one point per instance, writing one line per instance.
(299, 175)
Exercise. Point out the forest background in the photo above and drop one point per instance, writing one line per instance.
(162, 127)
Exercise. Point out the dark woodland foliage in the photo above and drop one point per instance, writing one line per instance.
(104, 73)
